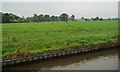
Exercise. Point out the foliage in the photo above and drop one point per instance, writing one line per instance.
(72, 17)
(64, 17)
(9, 17)
(12, 18)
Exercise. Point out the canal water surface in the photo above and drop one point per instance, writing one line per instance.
(98, 60)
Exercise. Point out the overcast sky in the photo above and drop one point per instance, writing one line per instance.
(79, 9)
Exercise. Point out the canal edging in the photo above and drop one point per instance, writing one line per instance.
(62, 52)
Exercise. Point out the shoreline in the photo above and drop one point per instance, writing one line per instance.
(61, 52)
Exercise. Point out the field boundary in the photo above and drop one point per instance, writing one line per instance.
(61, 52)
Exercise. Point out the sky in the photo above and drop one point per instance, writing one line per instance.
(79, 9)
(59, 0)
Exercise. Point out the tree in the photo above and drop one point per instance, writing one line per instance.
(82, 18)
(53, 18)
(72, 17)
(101, 19)
(56, 18)
(47, 18)
(13, 17)
(64, 17)
(6, 18)
(41, 18)
(87, 19)
(23, 19)
(9, 17)
(29, 19)
(35, 18)
(97, 18)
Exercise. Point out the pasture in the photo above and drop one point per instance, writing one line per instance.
(28, 38)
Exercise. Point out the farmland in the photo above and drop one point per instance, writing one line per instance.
(28, 38)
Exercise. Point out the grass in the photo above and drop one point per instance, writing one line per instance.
(27, 38)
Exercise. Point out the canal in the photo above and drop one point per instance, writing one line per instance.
(97, 60)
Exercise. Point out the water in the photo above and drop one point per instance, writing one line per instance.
(99, 60)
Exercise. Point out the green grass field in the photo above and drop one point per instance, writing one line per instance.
(27, 38)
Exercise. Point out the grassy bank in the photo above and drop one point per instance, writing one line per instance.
(27, 38)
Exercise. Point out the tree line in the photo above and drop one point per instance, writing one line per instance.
(12, 18)
(97, 19)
